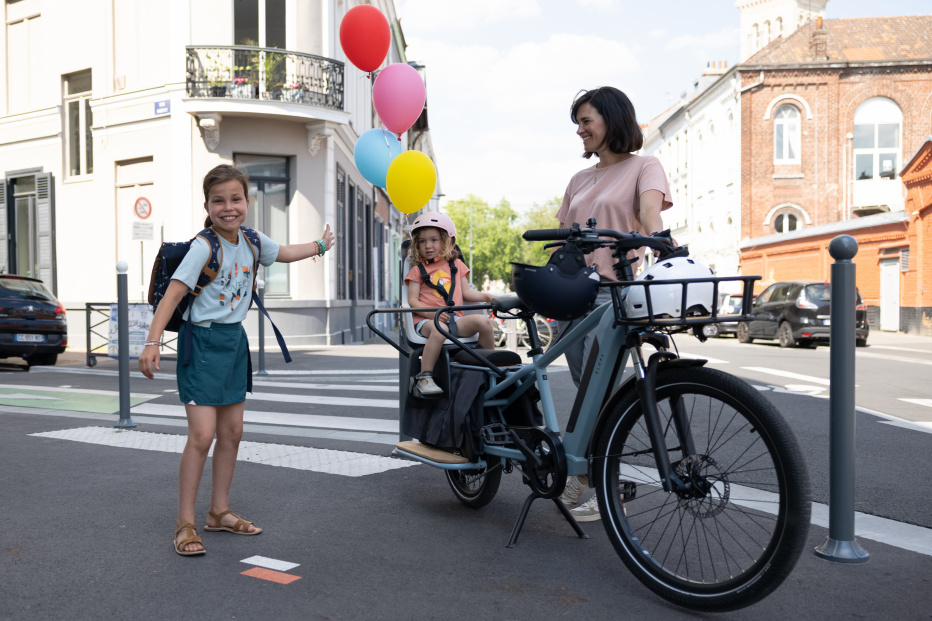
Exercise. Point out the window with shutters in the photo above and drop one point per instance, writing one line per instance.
(340, 233)
(79, 146)
(27, 212)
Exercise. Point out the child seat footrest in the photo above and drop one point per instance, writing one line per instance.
(495, 434)
(431, 453)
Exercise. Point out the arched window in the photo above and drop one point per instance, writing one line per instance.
(756, 32)
(877, 127)
(786, 135)
(779, 26)
(767, 30)
(785, 222)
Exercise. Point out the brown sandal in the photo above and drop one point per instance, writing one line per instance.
(180, 545)
(240, 528)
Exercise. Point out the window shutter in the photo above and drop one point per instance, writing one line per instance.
(45, 234)
(4, 246)
(904, 260)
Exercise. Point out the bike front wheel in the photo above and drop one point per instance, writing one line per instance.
(736, 534)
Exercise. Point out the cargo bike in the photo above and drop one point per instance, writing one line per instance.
(702, 488)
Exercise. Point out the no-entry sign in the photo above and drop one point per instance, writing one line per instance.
(143, 208)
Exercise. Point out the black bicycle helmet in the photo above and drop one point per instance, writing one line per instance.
(549, 292)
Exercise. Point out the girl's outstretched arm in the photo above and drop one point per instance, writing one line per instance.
(296, 252)
(473, 295)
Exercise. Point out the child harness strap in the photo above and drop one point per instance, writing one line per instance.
(446, 295)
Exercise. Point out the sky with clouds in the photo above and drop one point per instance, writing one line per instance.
(501, 76)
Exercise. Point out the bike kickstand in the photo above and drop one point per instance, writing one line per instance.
(521, 517)
(569, 518)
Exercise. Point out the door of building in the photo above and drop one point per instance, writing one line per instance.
(890, 295)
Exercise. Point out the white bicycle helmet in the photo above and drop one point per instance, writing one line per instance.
(436, 220)
(666, 300)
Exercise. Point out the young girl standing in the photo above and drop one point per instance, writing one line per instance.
(432, 248)
(213, 385)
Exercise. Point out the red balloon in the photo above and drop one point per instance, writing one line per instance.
(365, 36)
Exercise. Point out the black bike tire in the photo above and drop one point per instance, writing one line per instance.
(475, 498)
(791, 525)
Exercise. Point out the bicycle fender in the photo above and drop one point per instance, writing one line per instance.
(626, 386)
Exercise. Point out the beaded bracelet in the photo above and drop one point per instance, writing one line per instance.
(321, 248)
(153, 343)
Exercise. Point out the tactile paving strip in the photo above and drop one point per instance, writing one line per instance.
(344, 463)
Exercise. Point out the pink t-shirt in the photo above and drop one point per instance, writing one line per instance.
(611, 195)
(439, 272)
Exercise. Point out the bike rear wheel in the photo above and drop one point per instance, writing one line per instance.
(737, 537)
(476, 488)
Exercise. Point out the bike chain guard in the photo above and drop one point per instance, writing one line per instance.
(545, 466)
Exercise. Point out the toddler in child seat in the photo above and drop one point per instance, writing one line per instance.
(433, 237)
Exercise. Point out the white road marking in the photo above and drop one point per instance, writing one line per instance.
(346, 402)
(890, 347)
(343, 463)
(789, 374)
(347, 423)
(355, 387)
(270, 563)
(925, 402)
(894, 358)
(890, 532)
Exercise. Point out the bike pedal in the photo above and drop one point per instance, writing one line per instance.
(629, 490)
(495, 434)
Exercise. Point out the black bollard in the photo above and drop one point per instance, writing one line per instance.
(841, 546)
(125, 422)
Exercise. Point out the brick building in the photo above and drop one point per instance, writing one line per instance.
(829, 117)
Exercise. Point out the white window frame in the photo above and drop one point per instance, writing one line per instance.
(82, 99)
(790, 135)
(875, 112)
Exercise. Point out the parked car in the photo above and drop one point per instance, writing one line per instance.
(798, 313)
(32, 321)
(728, 304)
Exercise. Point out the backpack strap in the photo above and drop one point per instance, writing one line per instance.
(255, 244)
(208, 274)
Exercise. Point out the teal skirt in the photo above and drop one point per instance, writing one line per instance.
(220, 370)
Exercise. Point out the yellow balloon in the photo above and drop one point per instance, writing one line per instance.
(410, 181)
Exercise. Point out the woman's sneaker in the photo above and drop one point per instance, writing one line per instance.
(589, 510)
(573, 491)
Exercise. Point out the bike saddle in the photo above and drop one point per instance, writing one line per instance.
(508, 302)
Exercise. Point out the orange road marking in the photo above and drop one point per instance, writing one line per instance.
(271, 576)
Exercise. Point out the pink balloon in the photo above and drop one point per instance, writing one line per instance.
(398, 96)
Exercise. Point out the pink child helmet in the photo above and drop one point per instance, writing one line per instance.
(434, 219)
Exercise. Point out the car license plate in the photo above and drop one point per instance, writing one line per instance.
(30, 338)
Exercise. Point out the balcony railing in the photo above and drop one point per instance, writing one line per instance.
(243, 72)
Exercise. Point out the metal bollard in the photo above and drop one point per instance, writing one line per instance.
(260, 286)
(125, 422)
(841, 546)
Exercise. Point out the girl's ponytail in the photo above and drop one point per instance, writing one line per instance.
(207, 222)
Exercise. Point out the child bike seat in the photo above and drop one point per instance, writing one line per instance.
(407, 320)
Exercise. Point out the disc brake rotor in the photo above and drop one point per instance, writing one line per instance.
(710, 490)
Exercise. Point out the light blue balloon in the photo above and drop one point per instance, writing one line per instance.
(373, 153)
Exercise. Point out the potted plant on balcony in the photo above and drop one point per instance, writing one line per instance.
(293, 93)
(217, 79)
(243, 88)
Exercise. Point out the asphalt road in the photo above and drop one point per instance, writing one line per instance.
(87, 526)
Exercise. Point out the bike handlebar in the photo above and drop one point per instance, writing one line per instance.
(660, 241)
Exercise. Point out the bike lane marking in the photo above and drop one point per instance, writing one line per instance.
(344, 463)
(71, 399)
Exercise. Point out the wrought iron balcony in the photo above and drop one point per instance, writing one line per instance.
(245, 72)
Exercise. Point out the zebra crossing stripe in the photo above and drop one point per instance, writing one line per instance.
(343, 463)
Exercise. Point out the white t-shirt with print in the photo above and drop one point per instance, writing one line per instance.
(227, 298)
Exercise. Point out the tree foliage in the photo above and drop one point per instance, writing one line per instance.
(490, 236)
(487, 235)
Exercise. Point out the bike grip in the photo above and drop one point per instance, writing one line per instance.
(546, 234)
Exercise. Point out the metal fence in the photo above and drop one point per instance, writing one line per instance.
(245, 72)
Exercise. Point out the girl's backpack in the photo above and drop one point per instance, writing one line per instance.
(169, 258)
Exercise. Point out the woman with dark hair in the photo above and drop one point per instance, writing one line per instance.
(623, 192)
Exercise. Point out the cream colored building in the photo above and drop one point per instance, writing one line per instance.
(112, 112)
